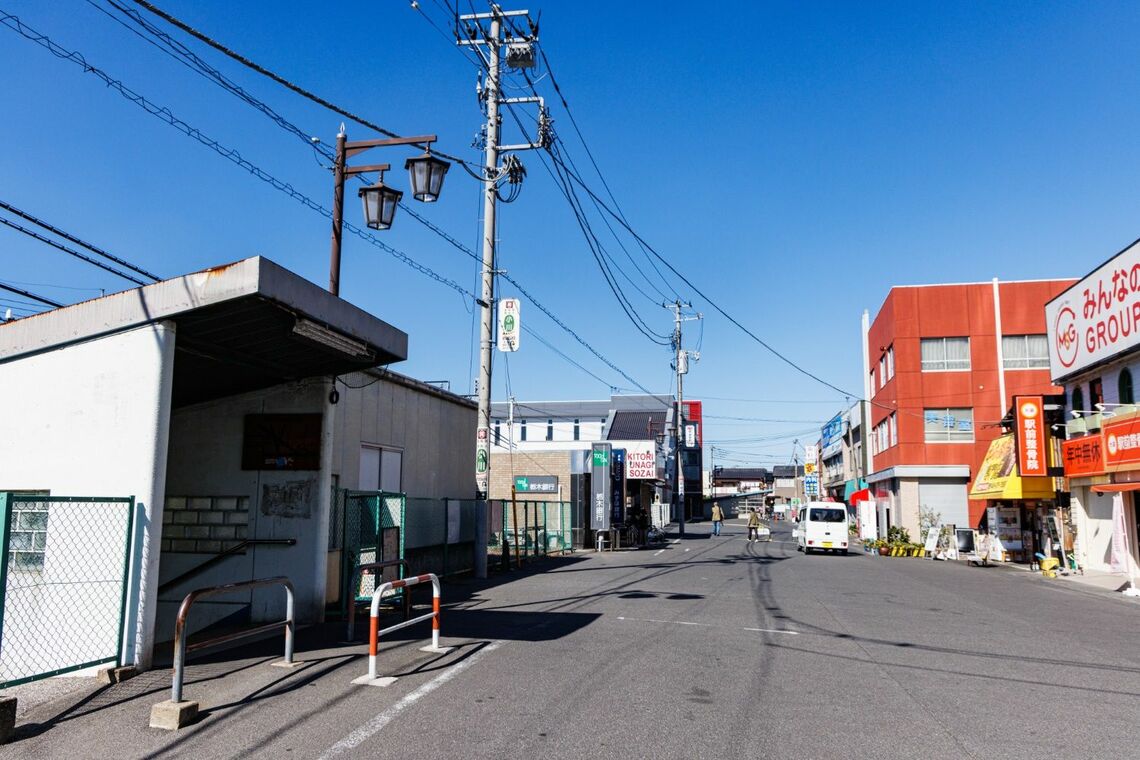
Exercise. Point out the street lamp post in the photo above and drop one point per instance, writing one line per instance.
(425, 173)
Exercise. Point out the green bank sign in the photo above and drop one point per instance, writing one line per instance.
(536, 484)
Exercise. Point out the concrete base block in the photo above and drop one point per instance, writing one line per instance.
(7, 718)
(173, 715)
(436, 650)
(117, 675)
(378, 681)
(283, 664)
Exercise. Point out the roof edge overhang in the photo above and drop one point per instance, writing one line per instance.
(949, 471)
(255, 277)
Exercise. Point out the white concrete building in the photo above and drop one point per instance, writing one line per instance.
(229, 403)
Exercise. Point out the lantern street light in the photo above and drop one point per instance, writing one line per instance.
(425, 174)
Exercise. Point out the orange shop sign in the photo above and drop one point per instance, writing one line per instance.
(1122, 443)
(1031, 436)
(1083, 456)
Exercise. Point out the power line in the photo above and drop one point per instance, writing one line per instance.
(32, 296)
(66, 236)
(201, 36)
(69, 251)
(165, 115)
(578, 180)
(188, 58)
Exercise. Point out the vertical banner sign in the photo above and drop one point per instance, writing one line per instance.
(600, 486)
(509, 324)
(690, 435)
(1032, 446)
(617, 475)
(482, 461)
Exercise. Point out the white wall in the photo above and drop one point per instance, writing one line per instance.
(92, 419)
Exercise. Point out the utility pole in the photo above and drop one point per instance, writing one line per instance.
(520, 56)
(681, 365)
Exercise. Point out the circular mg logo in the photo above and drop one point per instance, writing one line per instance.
(1029, 410)
(1065, 328)
(1111, 442)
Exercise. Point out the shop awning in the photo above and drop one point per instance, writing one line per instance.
(861, 495)
(998, 477)
(852, 486)
(1116, 487)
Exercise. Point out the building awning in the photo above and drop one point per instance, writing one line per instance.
(998, 477)
(851, 486)
(1116, 487)
(863, 494)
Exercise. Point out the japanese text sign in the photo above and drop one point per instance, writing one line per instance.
(1083, 456)
(1032, 436)
(1122, 443)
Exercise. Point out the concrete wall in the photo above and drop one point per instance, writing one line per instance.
(206, 488)
(92, 420)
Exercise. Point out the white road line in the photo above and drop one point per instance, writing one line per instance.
(705, 625)
(673, 622)
(659, 551)
(361, 734)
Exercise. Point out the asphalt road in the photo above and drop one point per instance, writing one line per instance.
(709, 648)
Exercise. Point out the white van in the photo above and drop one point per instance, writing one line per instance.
(822, 526)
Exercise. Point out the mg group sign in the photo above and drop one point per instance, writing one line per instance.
(1097, 318)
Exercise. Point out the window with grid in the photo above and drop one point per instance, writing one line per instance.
(894, 423)
(945, 354)
(951, 425)
(1025, 352)
(28, 538)
(890, 362)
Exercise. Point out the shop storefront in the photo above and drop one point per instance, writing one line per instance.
(1102, 468)
(1023, 514)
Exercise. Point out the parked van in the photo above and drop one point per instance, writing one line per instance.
(822, 526)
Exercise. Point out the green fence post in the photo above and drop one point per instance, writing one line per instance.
(5, 536)
(126, 580)
(545, 540)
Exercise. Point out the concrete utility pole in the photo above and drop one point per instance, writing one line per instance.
(681, 365)
(521, 56)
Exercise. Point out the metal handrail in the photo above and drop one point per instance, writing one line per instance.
(181, 649)
(403, 564)
(374, 631)
(222, 555)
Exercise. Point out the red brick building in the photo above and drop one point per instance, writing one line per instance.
(945, 362)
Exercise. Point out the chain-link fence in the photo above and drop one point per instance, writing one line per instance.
(528, 529)
(63, 583)
(365, 527)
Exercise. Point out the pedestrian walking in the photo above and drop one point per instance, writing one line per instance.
(753, 525)
(717, 518)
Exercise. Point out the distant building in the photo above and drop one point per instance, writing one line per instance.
(944, 363)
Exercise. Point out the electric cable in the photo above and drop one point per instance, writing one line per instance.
(70, 251)
(69, 237)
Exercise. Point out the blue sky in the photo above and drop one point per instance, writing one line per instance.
(792, 160)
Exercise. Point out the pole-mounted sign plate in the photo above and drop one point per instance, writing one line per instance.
(600, 487)
(510, 325)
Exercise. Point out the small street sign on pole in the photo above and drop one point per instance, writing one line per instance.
(510, 325)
